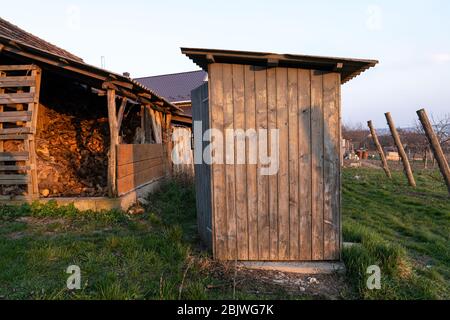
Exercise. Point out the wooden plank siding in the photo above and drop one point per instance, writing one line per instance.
(293, 215)
(138, 165)
(200, 117)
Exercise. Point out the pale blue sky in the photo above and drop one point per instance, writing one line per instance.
(410, 38)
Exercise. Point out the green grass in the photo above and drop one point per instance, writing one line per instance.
(158, 254)
(405, 231)
(120, 256)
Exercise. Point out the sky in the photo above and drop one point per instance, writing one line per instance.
(411, 39)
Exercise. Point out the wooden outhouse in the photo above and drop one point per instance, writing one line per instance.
(294, 213)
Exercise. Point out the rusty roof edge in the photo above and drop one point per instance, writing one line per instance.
(92, 68)
(361, 64)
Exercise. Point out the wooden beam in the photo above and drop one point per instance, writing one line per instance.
(19, 51)
(14, 156)
(17, 67)
(156, 125)
(114, 142)
(210, 58)
(380, 150)
(142, 138)
(183, 119)
(435, 146)
(401, 150)
(14, 98)
(123, 92)
(145, 95)
(120, 113)
(272, 62)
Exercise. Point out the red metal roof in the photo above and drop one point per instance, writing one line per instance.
(175, 87)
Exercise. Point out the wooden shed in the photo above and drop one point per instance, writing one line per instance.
(294, 214)
(75, 133)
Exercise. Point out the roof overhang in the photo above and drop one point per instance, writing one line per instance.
(347, 67)
(124, 85)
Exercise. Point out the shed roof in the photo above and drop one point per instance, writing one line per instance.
(347, 67)
(16, 42)
(175, 87)
(13, 32)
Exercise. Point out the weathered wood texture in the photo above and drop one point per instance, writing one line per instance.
(200, 117)
(384, 162)
(293, 215)
(182, 154)
(138, 165)
(401, 150)
(114, 142)
(435, 146)
(22, 96)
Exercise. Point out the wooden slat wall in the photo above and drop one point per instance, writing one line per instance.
(182, 155)
(200, 113)
(295, 214)
(138, 165)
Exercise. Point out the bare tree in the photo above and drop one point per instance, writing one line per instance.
(442, 129)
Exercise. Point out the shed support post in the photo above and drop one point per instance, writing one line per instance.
(401, 150)
(120, 113)
(114, 142)
(435, 146)
(167, 140)
(380, 150)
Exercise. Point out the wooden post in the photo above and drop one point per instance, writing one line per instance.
(380, 150)
(401, 150)
(120, 113)
(114, 141)
(435, 146)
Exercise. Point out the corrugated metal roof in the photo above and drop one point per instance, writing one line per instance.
(175, 87)
(13, 32)
(347, 67)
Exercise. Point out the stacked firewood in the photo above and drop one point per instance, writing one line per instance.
(72, 155)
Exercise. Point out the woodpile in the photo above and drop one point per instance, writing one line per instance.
(72, 155)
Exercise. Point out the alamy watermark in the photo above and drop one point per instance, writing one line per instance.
(374, 280)
(74, 280)
(234, 147)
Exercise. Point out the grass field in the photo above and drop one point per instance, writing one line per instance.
(158, 256)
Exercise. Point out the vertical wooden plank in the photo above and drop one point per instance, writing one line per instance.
(142, 114)
(37, 73)
(262, 181)
(2, 74)
(241, 177)
(341, 164)
(206, 168)
(273, 179)
(218, 169)
(283, 173)
(196, 99)
(317, 163)
(251, 147)
(304, 139)
(294, 224)
(230, 183)
(331, 165)
(114, 141)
